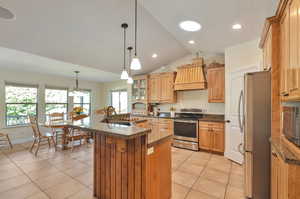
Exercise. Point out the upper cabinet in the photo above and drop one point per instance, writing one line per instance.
(216, 83)
(161, 88)
(139, 88)
(290, 52)
(267, 51)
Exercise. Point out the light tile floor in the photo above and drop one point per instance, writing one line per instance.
(64, 175)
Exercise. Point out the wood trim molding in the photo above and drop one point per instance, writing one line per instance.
(268, 22)
(281, 7)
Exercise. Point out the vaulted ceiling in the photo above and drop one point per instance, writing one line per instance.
(88, 33)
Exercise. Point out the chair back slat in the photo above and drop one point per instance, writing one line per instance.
(35, 127)
(56, 117)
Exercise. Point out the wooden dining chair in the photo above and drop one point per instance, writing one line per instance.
(5, 138)
(57, 133)
(75, 134)
(38, 137)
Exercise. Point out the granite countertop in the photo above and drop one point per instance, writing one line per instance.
(283, 151)
(206, 117)
(116, 130)
(213, 118)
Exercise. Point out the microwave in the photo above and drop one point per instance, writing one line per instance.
(291, 123)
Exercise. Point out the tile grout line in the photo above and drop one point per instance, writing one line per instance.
(229, 177)
(26, 175)
(191, 188)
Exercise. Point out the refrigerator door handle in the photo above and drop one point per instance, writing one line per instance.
(241, 149)
(239, 111)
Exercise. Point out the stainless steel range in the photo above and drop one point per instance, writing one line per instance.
(186, 130)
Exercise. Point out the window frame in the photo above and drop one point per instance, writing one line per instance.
(24, 85)
(119, 91)
(56, 88)
(90, 99)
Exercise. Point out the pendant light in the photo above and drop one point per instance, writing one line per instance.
(75, 91)
(124, 74)
(135, 63)
(129, 80)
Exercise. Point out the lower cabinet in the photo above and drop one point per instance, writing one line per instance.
(211, 136)
(285, 179)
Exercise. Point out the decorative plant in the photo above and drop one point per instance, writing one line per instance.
(78, 110)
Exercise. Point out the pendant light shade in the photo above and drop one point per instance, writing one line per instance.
(124, 74)
(135, 63)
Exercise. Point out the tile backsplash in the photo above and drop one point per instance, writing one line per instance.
(194, 99)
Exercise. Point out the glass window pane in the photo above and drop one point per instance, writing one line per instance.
(15, 94)
(56, 96)
(82, 97)
(56, 108)
(123, 102)
(17, 114)
(115, 101)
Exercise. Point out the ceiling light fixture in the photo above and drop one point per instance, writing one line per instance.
(135, 63)
(6, 13)
(236, 26)
(129, 80)
(191, 42)
(75, 91)
(190, 26)
(154, 55)
(124, 74)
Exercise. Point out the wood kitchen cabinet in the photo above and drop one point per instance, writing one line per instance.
(290, 52)
(267, 51)
(285, 170)
(211, 136)
(161, 88)
(216, 84)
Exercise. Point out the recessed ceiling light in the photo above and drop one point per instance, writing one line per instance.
(190, 26)
(191, 42)
(154, 55)
(236, 26)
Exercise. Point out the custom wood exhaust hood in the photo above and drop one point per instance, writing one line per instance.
(191, 76)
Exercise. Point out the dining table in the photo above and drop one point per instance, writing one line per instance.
(66, 126)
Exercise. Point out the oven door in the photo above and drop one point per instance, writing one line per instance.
(186, 130)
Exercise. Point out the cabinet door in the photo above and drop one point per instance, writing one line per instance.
(205, 139)
(167, 88)
(292, 71)
(274, 176)
(154, 89)
(267, 51)
(284, 52)
(218, 140)
(216, 85)
(282, 179)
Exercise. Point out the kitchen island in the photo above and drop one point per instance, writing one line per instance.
(126, 164)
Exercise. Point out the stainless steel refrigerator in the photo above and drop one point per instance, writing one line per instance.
(257, 131)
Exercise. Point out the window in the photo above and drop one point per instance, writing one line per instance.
(21, 101)
(119, 101)
(83, 100)
(56, 101)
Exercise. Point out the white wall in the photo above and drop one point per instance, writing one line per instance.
(238, 57)
(197, 98)
(22, 133)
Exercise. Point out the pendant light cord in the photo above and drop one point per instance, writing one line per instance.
(124, 48)
(135, 38)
